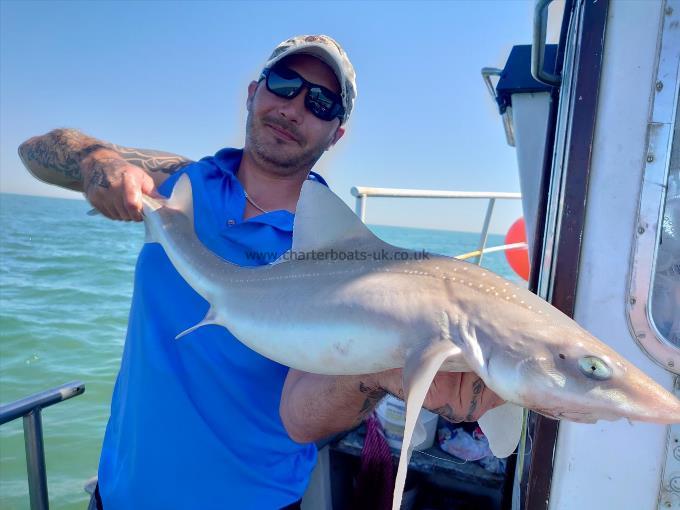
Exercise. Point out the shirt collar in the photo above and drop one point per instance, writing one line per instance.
(228, 160)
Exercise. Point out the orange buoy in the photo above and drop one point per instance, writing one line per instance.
(518, 258)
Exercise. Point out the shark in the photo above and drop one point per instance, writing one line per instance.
(342, 301)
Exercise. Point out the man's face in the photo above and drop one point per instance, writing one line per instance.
(282, 132)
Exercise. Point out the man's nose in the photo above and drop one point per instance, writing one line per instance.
(294, 109)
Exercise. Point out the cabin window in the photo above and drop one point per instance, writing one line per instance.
(665, 298)
(654, 285)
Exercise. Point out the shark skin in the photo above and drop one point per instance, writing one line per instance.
(344, 302)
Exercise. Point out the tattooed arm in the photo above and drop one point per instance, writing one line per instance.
(112, 177)
(317, 406)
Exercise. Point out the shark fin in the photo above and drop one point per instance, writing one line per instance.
(210, 318)
(502, 426)
(419, 371)
(322, 220)
(182, 198)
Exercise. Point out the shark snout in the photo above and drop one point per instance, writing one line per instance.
(658, 406)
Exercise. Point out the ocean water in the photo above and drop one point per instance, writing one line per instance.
(65, 287)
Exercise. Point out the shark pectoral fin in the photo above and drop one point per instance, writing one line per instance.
(210, 318)
(502, 426)
(419, 371)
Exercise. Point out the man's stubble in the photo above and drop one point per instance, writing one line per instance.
(275, 154)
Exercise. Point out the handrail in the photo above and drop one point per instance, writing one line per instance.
(487, 73)
(363, 192)
(538, 46)
(368, 191)
(21, 407)
(30, 409)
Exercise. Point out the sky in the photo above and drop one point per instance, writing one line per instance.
(173, 76)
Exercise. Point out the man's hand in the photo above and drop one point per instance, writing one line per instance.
(457, 396)
(114, 187)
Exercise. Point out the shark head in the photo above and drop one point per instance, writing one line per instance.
(532, 354)
(585, 381)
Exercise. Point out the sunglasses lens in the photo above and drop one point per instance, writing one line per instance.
(320, 104)
(284, 83)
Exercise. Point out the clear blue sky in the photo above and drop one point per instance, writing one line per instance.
(173, 76)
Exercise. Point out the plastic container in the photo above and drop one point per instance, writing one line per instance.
(392, 415)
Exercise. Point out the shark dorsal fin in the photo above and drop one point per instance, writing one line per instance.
(181, 198)
(323, 220)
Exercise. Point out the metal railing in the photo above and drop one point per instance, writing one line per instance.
(487, 73)
(363, 192)
(30, 408)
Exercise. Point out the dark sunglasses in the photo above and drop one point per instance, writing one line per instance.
(286, 83)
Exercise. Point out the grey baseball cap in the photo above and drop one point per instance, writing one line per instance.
(327, 50)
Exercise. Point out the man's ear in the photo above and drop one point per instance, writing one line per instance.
(252, 87)
(338, 134)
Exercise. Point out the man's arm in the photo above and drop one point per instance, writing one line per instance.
(112, 177)
(316, 406)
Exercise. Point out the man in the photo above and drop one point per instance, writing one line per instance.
(205, 422)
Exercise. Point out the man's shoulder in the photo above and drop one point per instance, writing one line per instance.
(227, 159)
(223, 163)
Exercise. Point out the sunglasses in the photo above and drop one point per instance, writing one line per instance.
(321, 102)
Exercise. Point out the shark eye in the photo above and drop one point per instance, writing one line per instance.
(594, 368)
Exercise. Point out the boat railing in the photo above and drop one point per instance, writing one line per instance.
(30, 409)
(362, 193)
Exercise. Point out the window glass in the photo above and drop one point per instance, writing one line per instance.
(666, 291)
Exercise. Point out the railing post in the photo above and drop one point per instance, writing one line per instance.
(361, 207)
(30, 409)
(485, 231)
(35, 460)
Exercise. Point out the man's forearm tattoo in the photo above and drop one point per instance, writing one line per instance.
(446, 411)
(62, 150)
(373, 396)
(58, 150)
(153, 161)
(98, 178)
(477, 388)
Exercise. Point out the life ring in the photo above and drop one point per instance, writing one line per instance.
(518, 258)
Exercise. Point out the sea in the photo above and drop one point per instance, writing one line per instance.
(66, 281)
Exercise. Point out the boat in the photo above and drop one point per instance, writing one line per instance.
(593, 120)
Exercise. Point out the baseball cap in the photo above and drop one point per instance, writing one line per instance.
(327, 50)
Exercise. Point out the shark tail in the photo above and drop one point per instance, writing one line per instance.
(181, 199)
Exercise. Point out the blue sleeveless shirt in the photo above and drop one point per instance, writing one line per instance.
(195, 422)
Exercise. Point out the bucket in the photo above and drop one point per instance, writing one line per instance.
(392, 415)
